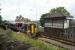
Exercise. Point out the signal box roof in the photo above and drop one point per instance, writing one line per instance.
(54, 15)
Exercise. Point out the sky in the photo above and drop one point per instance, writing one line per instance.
(32, 9)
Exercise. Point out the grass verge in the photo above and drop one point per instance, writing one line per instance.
(34, 42)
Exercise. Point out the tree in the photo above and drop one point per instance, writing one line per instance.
(0, 18)
(60, 10)
(54, 10)
(42, 20)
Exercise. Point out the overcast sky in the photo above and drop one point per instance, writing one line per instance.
(32, 9)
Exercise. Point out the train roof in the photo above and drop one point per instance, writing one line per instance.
(13, 22)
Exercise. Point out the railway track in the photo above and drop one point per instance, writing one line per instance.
(57, 39)
(58, 42)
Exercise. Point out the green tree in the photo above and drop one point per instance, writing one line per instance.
(0, 18)
(60, 10)
(42, 20)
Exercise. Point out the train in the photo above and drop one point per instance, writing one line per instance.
(30, 28)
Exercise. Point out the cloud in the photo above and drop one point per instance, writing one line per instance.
(32, 9)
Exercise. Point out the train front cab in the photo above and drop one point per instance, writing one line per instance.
(32, 29)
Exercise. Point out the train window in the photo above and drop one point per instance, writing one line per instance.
(19, 24)
(25, 26)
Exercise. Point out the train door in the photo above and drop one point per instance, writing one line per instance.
(25, 27)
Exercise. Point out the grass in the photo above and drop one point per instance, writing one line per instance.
(34, 42)
(1, 31)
